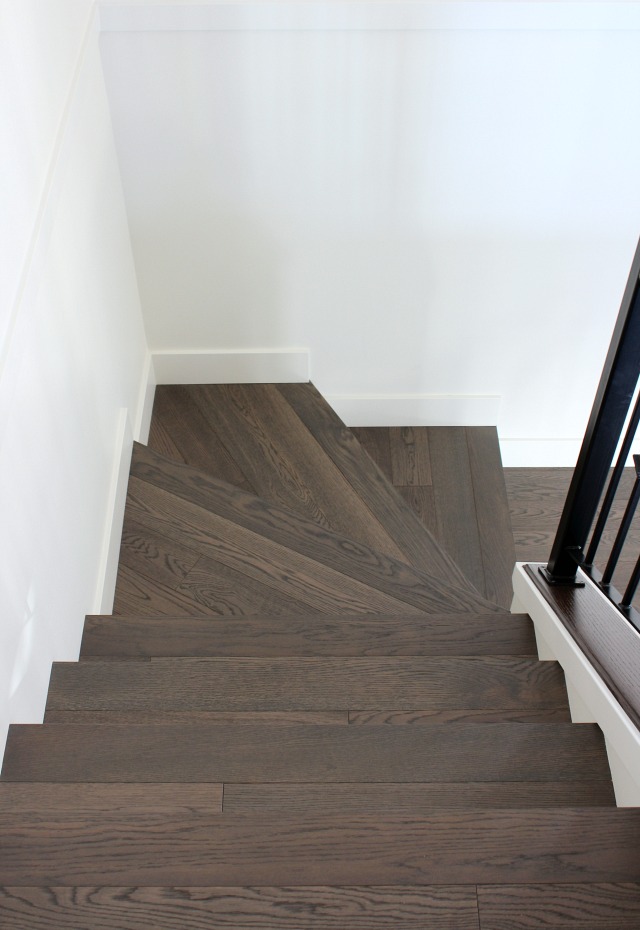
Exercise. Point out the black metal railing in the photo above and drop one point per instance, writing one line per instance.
(607, 421)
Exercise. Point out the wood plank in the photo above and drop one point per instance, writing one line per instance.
(303, 634)
(354, 585)
(415, 799)
(492, 513)
(93, 798)
(259, 907)
(421, 501)
(417, 544)
(580, 906)
(417, 717)
(268, 718)
(455, 502)
(180, 430)
(284, 570)
(308, 683)
(153, 556)
(137, 595)
(205, 752)
(458, 847)
(281, 526)
(375, 442)
(410, 460)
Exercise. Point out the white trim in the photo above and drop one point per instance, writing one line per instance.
(108, 566)
(146, 396)
(539, 453)
(148, 16)
(242, 366)
(591, 698)
(416, 409)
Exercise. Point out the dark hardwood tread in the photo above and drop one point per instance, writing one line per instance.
(200, 752)
(153, 479)
(309, 683)
(452, 478)
(304, 634)
(446, 846)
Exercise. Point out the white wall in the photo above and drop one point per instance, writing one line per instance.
(435, 199)
(71, 341)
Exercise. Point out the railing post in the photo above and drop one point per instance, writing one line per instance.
(610, 408)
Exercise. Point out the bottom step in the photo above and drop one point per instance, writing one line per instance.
(446, 847)
(578, 906)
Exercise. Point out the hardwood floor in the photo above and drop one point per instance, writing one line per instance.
(303, 712)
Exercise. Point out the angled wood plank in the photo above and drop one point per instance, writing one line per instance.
(298, 633)
(492, 513)
(418, 546)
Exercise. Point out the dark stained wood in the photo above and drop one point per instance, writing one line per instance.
(347, 577)
(492, 513)
(92, 798)
(428, 717)
(438, 907)
(421, 501)
(456, 847)
(607, 639)
(375, 442)
(454, 499)
(153, 556)
(204, 752)
(410, 460)
(181, 431)
(308, 683)
(303, 634)
(284, 570)
(153, 476)
(137, 595)
(579, 906)
(268, 718)
(417, 799)
(417, 544)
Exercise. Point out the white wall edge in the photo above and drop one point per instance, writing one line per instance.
(416, 409)
(590, 698)
(149, 16)
(108, 567)
(242, 366)
(146, 396)
(539, 453)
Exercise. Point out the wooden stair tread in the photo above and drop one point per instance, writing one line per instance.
(248, 536)
(439, 907)
(447, 846)
(303, 634)
(452, 478)
(454, 752)
(308, 683)
(293, 450)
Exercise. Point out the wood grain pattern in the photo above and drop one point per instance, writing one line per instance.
(303, 634)
(417, 544)
(417, 717)
(268, 718)
(95, 798)
(154, 556)
(410, 460)
(203, 752)
(308, 683)
(417, 799)
(440, 907)
(454, 847)
(597, 906)
(279, 525)
(492, 515)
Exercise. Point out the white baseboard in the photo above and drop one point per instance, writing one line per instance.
(416, 409)
(254, 366)
(590, 699)
(108, 569)
(145, 402)
(539, 453)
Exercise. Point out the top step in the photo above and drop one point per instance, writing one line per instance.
(285, 444)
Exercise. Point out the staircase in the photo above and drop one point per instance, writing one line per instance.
(311, 708)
